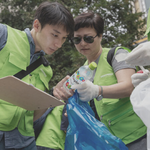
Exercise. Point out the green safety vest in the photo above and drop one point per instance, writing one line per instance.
(116, 114)
(51, 136)
(148, 26)
(14, 57)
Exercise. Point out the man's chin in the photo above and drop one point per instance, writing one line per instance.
(84, 52)
(49, 53)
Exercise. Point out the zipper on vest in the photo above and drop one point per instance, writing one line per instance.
(119, 116)
(101, 117)
(109, 122)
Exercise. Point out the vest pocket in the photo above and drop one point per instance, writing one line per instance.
(43, 79)
(8, 111)
(25, 126)
(3, 58)
(17, 61)
(10, 116)
(124, 124)
(13, 64)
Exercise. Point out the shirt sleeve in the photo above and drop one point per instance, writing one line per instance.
(122, 64)
(3, 36)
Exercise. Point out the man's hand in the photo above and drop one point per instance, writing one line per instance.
(87, 90)
(59, 92)
(137, 78)
(140, 56)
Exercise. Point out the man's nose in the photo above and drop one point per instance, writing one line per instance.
(58, 43)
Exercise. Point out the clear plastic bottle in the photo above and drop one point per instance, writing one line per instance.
(81, 75)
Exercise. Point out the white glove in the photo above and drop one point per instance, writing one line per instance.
(137, 78)
(86, 90)
(139, 56)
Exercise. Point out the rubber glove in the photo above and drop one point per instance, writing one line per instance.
(140, 56)
(87, 90)
(137, 78)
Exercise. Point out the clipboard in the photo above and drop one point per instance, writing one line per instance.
(19, 93)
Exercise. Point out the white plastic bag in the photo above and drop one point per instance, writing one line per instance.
(140, 99)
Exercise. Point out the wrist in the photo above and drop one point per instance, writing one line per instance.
(100, 96)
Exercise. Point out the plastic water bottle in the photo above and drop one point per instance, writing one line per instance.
(81, 75)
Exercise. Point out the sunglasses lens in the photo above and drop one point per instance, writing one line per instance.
(76, 40)
(88, 39)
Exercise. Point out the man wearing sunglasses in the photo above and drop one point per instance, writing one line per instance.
(112, 105)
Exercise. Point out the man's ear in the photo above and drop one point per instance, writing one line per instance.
(36, 25)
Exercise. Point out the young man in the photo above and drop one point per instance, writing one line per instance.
(53, 23)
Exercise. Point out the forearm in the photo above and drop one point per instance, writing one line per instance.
(123, 88)
(119, 90)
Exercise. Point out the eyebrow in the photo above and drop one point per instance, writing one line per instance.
(57, 31)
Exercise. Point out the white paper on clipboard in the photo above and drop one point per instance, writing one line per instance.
(19, 93)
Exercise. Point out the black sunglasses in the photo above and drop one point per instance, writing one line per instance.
(87, 39)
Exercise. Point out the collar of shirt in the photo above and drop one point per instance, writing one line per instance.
(33, 56)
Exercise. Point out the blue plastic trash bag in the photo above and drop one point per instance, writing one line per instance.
(85, 132)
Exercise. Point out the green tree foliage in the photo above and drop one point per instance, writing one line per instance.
(64, 62)
(122, 27)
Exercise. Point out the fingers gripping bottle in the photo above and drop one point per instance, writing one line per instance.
(81, 75)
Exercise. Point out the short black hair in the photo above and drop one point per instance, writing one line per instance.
(90, 19)
(54, 13)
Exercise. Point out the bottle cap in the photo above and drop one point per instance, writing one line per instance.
(92, 65)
